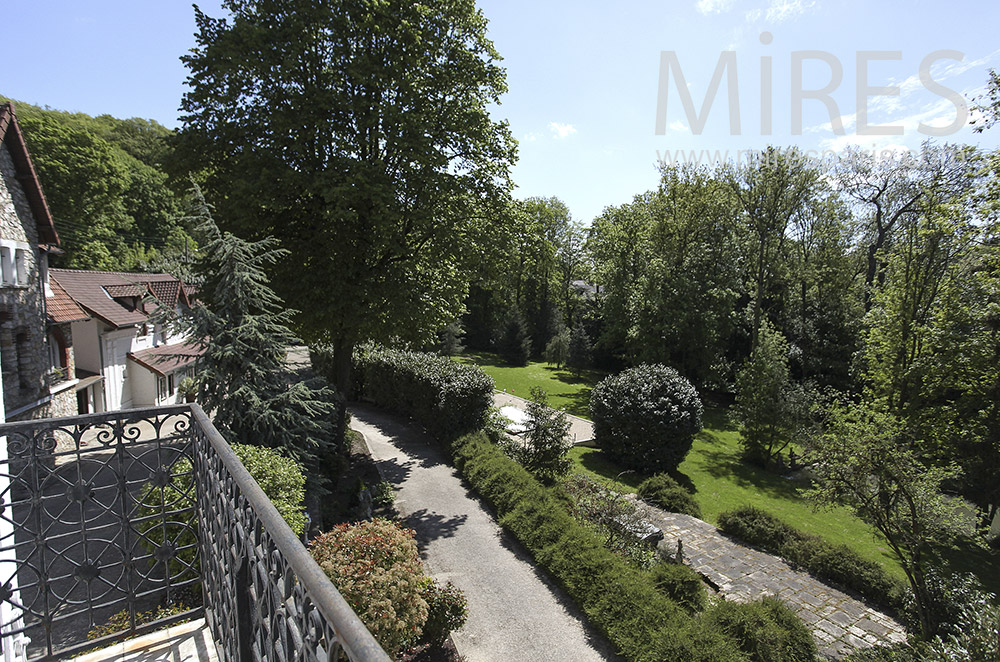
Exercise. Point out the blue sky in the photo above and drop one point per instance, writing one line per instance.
(583, 76)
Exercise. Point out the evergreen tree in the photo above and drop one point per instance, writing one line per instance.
(546, 441)
(769, 408)
(579, 348)
(243, 327)
(557, 351)
(450, 339)
(515, 343)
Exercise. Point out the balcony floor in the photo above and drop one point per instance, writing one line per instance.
(186, 642)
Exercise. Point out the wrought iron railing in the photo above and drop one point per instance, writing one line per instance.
(114, 514)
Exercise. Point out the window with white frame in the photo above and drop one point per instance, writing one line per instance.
(14, 263)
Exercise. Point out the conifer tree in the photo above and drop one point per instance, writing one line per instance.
(579, 349)
(243, 327)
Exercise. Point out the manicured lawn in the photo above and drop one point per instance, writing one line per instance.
(566, 390)
(716, 476)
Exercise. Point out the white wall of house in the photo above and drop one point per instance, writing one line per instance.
(86, 346)
(143, 384)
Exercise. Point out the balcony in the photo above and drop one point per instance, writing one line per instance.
(119, 513)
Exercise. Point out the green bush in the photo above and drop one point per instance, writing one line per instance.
(376, 567)
(447, 610)
(645, 418)
(446, 397)
(681, 584)
(837, 564)
(950, 599)
(663, 492)
(619, 599)
(766, 629)
(160, 518)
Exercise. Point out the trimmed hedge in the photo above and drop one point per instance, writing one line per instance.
(619, 599)
(448, 398)
(665, 493)
(681, 584)
(645, 418)
(767, 629)
(838, 564)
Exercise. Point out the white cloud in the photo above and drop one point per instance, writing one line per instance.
(529, 137)
(707, 7)
(678, 125)
(560, 130)
(782, 10)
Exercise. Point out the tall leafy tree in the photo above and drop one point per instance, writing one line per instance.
(357, 133)
(772, 187)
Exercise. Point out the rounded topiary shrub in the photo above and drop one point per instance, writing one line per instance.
(646, 417)
(376, 567)
(663, 492)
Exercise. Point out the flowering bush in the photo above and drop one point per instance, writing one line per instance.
(376, 567)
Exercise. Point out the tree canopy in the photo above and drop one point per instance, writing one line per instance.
(356, 132)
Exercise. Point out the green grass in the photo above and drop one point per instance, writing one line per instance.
(717, 477)
(566, 390)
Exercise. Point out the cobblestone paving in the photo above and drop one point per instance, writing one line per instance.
(840, 623)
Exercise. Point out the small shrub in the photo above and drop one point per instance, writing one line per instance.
(681, 584)
(766, 630)
(447, 610)
(376, 567)
(837, 564)
(446, 397)
(383, 494)
(543, 447)
(646, 417)
(663, 492)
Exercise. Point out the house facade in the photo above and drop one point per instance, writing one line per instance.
(36, 343)
(130, 360)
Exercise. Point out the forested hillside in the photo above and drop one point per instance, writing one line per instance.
(113, 204)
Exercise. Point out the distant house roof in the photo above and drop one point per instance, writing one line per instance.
(60, 307)
(116, 296)
(12, 137)
(166, 359)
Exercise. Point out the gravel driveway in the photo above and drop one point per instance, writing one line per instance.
(515, 611)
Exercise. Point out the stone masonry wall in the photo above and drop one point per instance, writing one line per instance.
(22, 309)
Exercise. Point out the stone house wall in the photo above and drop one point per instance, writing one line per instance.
(23, 351)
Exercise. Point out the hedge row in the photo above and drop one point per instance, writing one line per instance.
(448, 398)
(618, 598)
(838, 564)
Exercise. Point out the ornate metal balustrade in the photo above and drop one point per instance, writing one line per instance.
(115, 514)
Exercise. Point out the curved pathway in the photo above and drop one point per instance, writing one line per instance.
(515, 612)
(840, 623)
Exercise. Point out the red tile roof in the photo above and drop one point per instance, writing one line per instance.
(13, 139)
(167, 358)
(61, 308)
(95, 291)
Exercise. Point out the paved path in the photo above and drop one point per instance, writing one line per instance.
(580, 429)
(840, 623)
(515, 612)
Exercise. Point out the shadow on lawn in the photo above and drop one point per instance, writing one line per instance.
(723, 464)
